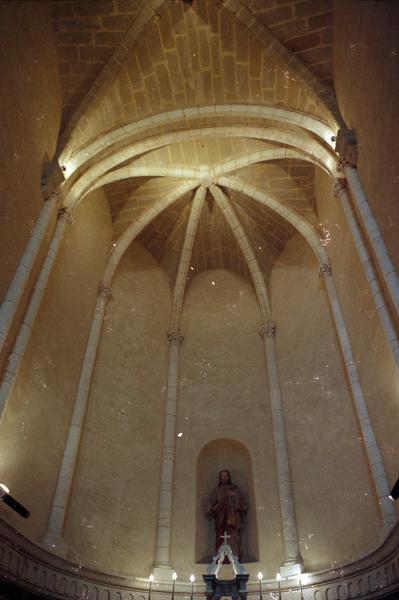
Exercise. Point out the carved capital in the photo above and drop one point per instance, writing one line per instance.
(64, 215)
(340, 186)
(343, 164)
(346, 147)
(325, 270)
(57, 197)
(267, 330)
(175, 336)
(104, 291)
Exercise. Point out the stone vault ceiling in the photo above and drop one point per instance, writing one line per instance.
(141, 80)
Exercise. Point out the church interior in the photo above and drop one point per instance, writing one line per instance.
(199, 272)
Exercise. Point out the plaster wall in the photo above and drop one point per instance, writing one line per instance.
(335, 505)
(34, 426)
(223, 396)
(112, 516)
(30, 97)
(378, 373)
(366, 81)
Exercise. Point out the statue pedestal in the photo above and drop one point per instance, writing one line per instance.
(235, 588)
(216, 588)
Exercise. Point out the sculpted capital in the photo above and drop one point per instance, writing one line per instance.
(267, 330)
(64, 215)
(344, 163)
(57, 197)
(104, 291)
(175, 336)
(340, 187)
(325, 270)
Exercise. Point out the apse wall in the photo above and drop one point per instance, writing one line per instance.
(378, 373)
(112, 515)
(223, 396)
(35, 422)
(328, 465)
(30, 97)
(366, 81)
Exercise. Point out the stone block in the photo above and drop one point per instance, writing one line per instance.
(87, 7)
(304, 42)
(312, 7)
(74, 39)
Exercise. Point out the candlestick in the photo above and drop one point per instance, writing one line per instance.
(260, 577)
(192, 579)
(174, 577)
(300, 586)
(150, 579)
(278, 577)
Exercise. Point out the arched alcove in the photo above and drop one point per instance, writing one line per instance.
(215, 456)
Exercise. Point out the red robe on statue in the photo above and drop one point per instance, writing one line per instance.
(227, 507)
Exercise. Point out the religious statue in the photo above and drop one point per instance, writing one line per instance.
(227, 507)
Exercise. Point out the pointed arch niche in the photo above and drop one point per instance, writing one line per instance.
(217, 455)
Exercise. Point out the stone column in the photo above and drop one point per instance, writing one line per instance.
(162, 568)
(347, 149)
(54, 534)
(293, 560)
(373, 453)
(340, 191)
(13, 297)
(28, 320)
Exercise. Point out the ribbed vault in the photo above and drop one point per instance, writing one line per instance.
(200, 91)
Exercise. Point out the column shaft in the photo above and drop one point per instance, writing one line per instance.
(25, 330)
(53, 536)
(13, 297)
(162, 552)
(291, 545)
(369, 271)
(373, 453)
(373, 234)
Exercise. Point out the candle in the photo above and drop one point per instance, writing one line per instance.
(192, 579)
(174, 577)
(278, 577)
(260, 577)
(300, 586)
(150, 579)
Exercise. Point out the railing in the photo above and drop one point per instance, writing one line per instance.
(33, 568)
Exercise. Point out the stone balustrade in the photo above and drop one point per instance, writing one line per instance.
(35, 569)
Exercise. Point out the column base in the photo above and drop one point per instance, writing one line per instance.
(163, 573)
(386, 529)
(55, 544)
(291, 569)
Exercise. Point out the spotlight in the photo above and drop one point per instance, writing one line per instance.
(394, 493)
(12, 503)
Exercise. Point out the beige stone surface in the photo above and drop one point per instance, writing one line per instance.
(112, 517)
(39, 408)
(198, 59)
(328, 463)
(367, 87)
(223, 395)
(30, 97)
(377, 370)
(177, 57)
